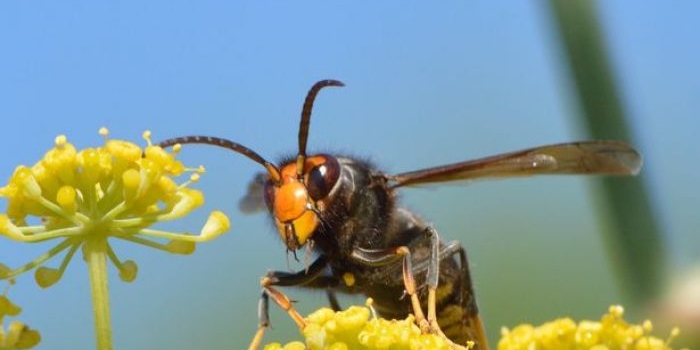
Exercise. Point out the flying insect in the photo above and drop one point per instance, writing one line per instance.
(344, 211)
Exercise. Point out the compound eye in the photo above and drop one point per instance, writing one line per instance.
(322, 177)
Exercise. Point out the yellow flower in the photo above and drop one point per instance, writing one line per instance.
(611, 332)
(17, 335)
(115, 191)
(84, 198)
(355, 328)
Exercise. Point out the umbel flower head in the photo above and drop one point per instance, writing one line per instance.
(358, 328)
(115, 191)
(355, 328)
(17, 335)
(612, 332)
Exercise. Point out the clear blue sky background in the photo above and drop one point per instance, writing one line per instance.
(427, 83)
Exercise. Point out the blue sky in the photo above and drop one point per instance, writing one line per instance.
(426, 84)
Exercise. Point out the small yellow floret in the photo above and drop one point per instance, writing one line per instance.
(128, 271)
(17, 335)
(60, 140)
(7, 308)
(66, 198)
(217, 224)
(9, 230)
(46, 277)
(147, 136)
(295, 345)
(27, 182)
(131, 180)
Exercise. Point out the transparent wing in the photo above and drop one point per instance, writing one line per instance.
(587, 157)
(254, 200)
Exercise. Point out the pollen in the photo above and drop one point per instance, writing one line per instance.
(114, 191)
(349, 279)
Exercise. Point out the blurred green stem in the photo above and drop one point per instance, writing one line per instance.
(634, 240)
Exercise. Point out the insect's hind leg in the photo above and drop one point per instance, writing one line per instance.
(383, 257)
(438, 254)
(468, 306)
(432, 279)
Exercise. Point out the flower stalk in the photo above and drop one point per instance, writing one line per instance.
(95, 251)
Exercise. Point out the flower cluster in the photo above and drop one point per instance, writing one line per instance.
(612, 332)
(355, 329)
(18, 335)
(114, 191)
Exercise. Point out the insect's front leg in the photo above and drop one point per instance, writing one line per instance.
(308, 277)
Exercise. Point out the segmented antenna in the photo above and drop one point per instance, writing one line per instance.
(228, 144)
(306, 119)
(238, 148)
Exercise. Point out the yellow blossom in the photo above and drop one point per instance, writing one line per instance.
(114, 191)
(82, 199)
(354, 328)
(610, 333)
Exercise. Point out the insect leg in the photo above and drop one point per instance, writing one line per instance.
(432, 277)
(476, 327)
(382, 257)
(280, 278)
(446, 252)
(467, 297)
(303, 277)
(333, 299)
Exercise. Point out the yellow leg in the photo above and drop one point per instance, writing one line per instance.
(282, 301)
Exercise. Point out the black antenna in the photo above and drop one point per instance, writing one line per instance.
(228, 144)
(306, 119)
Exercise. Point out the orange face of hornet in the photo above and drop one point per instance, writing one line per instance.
(297, 200)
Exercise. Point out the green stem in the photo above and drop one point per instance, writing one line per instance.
(96, 255)
(635, 241)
